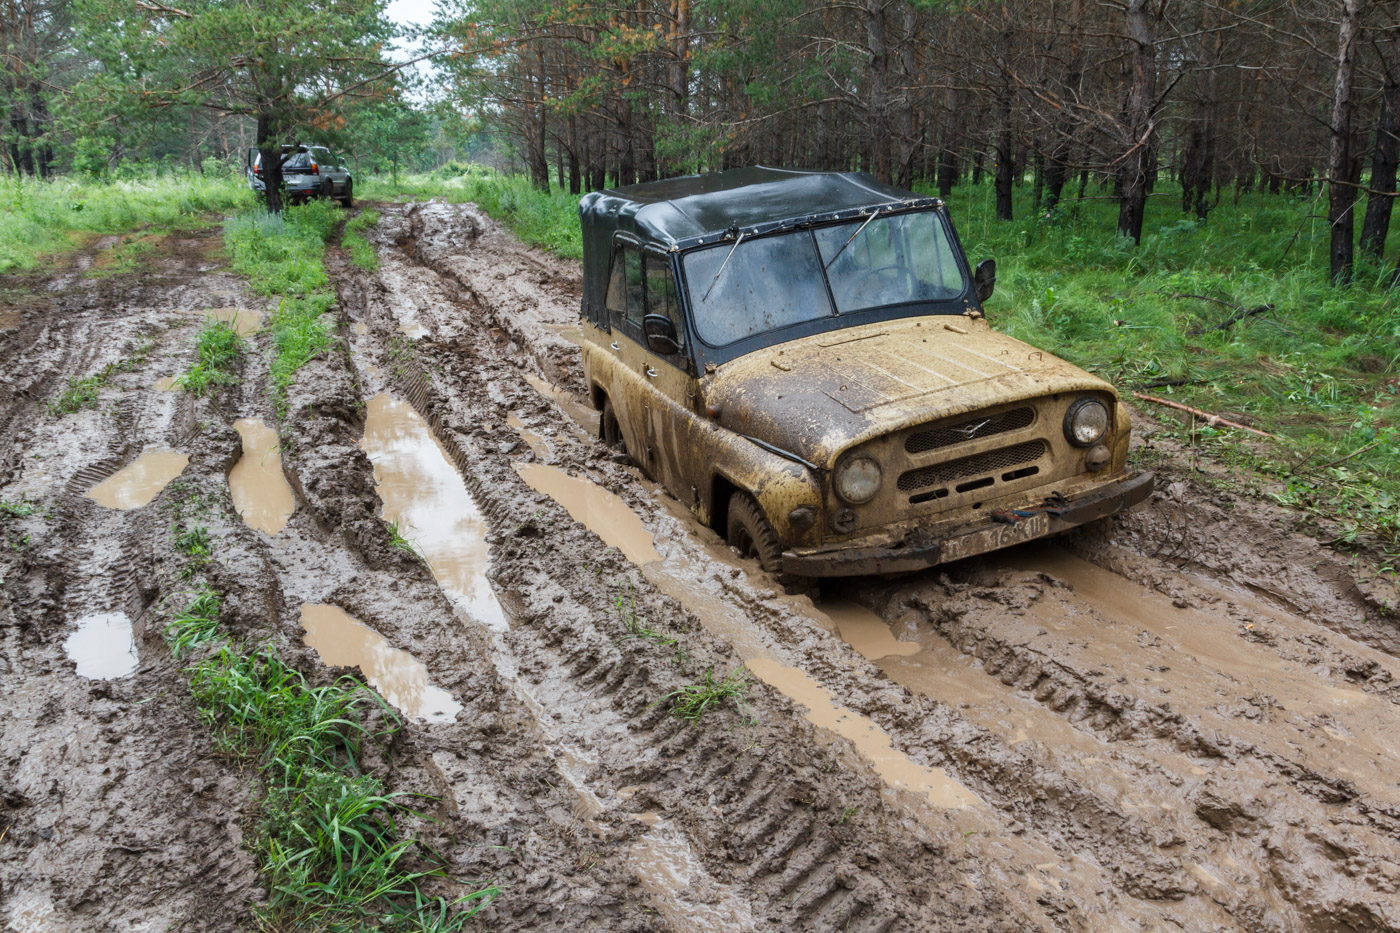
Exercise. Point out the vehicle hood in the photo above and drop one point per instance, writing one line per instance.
(820, 395)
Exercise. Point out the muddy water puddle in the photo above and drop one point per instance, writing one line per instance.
(896, 768)
(599, 509)
(9, 319)
(140, 481)
(244, 321)
(165, 383)
(424, 494)
(103, 647)
(1195, 659)
(261, 493)
(341, 640)
(574, 407)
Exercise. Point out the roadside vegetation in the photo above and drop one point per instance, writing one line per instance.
(41, 219)
(328, 839)
(81, 392)
(282, 255)
(361, 251)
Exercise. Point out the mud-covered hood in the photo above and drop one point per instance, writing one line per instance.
(820, 395)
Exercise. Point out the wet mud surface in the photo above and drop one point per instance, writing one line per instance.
(1179, 719)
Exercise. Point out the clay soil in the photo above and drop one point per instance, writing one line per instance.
(1183, 718)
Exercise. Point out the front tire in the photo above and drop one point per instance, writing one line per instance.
(610, 429)
(349, 199)
(751, 535)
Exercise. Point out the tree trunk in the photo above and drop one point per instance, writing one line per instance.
(1340, 196)
(1004, 157)
(1139, 121)
(879, 96)
(1385, 158)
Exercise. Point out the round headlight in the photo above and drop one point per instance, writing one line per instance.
(858, 479)
(1086, 422)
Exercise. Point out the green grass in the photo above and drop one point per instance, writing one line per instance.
(282, 257)
(637, 627)
(218, 350)
(197, 624)
(693, 700)
(17, 508)
(361, 251)
(39, 219)
(399, 541)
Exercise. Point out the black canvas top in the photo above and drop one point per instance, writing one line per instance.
(687, 211)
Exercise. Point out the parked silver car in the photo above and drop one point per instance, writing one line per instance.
(310, 172)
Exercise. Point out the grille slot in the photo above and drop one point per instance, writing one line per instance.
(977, 465)
(946, 435)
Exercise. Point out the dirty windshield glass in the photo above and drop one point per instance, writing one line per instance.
(896, 260)
(769, 283)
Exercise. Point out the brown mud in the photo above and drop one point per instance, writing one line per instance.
(1178, 719)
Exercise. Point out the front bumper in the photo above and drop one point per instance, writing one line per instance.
(975, 539)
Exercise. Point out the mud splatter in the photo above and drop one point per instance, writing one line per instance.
(141, 481)
(341, 640)
(597, 508)
(537, 443)
(422, 492)
(103, 647)
(260, 491)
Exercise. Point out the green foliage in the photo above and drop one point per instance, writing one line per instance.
(691, 701)
(282, 256)
(17, 508)
(44, 218)
(195, 625)
(361, 250)
(397, 539)
(637, 627)
(219, 349)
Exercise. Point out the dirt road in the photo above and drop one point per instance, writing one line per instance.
(1182, 719)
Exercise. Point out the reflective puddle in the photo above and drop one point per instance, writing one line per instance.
(103, 647)
(682, 890)
(261, 493)
(601, 511)
(896, 768)
(574, 407)
(165, 383)
(141, 481)
(341, 640)
(244, 321)
(422, 492)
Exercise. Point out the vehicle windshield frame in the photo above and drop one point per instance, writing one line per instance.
(837, 320)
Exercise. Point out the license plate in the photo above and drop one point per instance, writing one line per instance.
(993, 537)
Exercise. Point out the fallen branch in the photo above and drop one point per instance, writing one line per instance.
(1173, 381)
(1350, 455)
(1207, 417)
(1231, 321)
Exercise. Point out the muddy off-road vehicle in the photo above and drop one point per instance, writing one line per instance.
(802, 359)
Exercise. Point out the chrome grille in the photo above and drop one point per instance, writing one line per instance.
(949, 434)
(977, 465)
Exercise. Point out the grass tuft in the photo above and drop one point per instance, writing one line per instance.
(397, 539)
(197, 624)
(361, 251)
(218, 349)
(693, 700)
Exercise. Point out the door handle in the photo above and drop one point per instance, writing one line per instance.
(614, 345)
(651, 373)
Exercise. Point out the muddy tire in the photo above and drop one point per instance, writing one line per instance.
(349, 199)
(610, 430)
(750, 534)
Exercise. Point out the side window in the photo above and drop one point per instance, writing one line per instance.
(617, 289)
(661, 293)
(626, 296)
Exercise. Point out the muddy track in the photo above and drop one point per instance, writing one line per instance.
(1179, 719)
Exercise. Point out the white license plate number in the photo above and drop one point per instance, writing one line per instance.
(994, 537)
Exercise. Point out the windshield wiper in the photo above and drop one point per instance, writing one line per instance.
(721, 268)
(873, 215)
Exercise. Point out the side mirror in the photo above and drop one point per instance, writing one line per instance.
(984, 280)
(661, 335)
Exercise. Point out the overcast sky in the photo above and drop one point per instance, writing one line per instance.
(412, 13)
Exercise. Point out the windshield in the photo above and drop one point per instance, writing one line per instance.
(776, 281)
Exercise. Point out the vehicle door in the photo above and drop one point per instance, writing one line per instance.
(667, 376)
(252, 160)
(335, 171)
(626, 304)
